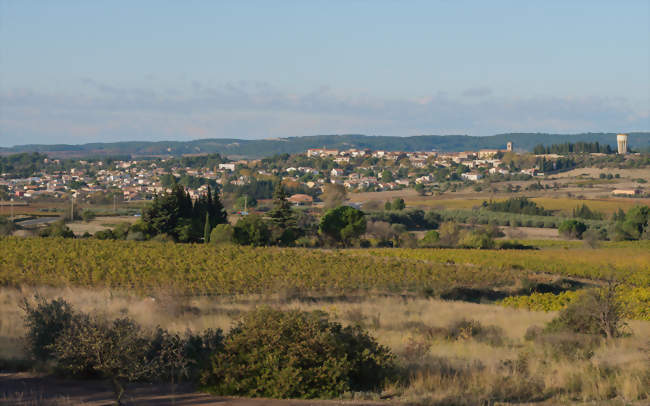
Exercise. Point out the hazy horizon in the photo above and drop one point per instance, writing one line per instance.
(76, 73)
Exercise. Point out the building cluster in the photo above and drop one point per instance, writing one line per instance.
(355, 169)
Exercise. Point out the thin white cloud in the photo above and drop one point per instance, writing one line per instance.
(104, 112)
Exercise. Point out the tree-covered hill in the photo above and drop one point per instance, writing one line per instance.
(266, 147)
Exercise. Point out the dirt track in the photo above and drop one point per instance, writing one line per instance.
(29, 389)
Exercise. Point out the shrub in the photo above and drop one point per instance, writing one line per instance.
(6, 226)
(465, 329)
(105, 234)
(57, 229)
(119, 350)
(477, 239)
(95, 347)
(598, 312)
(88, 215)
(45, 321)
(222, 234)
(279, 354)
(568, 345)
(430, 239)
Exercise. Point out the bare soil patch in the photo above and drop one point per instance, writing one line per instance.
(32, 389)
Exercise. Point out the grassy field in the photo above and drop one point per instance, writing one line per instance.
(561, 204)
(468, 370)
(393, 293)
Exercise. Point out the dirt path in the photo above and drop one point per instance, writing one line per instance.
(30, 389)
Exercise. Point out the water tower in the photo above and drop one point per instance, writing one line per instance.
(621, 140)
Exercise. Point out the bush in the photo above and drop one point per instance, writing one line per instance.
(597, 312)
(464, 329)
(431, 239)
(104, 234)
(45, 321)
(567, 345)
(57, 229)
(84, 346)
(572, 228)
(6, 226)
(476, 239)
(222, 234)
(88, 215)
(278, 354)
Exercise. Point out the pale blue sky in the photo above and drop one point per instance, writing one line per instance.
(86, 71)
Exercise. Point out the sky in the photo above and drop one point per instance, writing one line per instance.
(101, 71)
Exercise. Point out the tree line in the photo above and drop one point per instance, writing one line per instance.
(573, 148)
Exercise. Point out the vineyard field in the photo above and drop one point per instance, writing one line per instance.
(210, 269)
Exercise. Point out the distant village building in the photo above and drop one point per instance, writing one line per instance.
(301, 200)
(471, 176)
(487, 153)
(313, 152)
(626, 192)
(228, 167)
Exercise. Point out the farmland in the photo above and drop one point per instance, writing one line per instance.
(199, 269)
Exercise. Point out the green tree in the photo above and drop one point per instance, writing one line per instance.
(252, 230)
(387, 176)
(572, 228)
(343, 224)
(283, 221)
(398, 204)
(636, 224)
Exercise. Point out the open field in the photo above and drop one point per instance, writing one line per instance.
(99, 223)
(54, 208)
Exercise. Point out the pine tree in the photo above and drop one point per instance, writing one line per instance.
(285, 230)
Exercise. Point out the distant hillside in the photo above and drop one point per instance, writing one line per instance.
(259, 148)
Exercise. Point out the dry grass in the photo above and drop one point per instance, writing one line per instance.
(438, 370)
(99, 223)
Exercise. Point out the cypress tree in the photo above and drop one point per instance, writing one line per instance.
(207, 229)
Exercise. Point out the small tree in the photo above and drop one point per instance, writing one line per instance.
(115, 350)
(45, 320)
(598, 311)
(398, 204)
